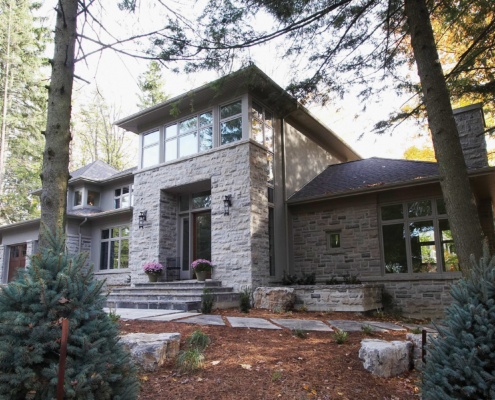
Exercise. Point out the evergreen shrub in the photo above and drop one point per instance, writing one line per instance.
(460, 363)
(56, 286)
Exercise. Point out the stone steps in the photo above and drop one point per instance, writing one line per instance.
(179, 295)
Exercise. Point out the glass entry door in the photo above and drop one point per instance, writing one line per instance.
(195, 237)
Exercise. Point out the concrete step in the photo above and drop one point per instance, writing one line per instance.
(168, 305)
(170, 297)
(180, 295)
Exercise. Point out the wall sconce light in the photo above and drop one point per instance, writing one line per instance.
(142, 218)
(227, 202)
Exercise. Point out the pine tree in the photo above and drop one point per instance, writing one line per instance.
(461, 362)
(151, 85)
(56, 286)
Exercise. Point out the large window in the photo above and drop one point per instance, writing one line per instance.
(123, 197)
(151, 149)
(417, 238)
(189, 136)
(114, 250)
(231, 122)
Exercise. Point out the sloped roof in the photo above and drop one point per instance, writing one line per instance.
(97, 170)
(339, 179)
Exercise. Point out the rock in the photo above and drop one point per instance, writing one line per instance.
(274, 298)
(384, 358)
(417, 341)
(150, 351)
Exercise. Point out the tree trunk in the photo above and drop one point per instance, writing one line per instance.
(55, 173)
(3, 140)
(459, 198)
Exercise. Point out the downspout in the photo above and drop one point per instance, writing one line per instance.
(80, 234)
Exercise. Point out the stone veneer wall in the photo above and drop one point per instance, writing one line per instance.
(357, 220)
(236, 170)
(471, 127)
(260, 246)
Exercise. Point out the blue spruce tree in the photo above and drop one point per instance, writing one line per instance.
(461, 362)
(56, 286)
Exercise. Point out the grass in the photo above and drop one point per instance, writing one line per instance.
(207, 301)
(340, 336)
(199, 340)
(190, 360)
(300, 333)
(368, 329)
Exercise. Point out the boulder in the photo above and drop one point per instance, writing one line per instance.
(274, 298)
(384, 358)
(150, 351)
(417, 340)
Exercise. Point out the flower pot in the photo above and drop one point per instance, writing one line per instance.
(153, 277)
(201, 275)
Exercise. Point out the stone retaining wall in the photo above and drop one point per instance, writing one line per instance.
(356, 298)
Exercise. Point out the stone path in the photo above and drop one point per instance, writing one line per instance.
(253, 323)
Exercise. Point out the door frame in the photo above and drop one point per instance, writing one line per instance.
(22, 260)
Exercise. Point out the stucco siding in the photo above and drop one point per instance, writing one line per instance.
(304, 159)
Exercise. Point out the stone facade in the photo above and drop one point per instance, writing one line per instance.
(470, 124)
(353, 298)
(239, 241)
(355, 220)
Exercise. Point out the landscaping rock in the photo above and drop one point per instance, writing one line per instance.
(274, 298)
(150, 351)
(384, 358)
(417, 340)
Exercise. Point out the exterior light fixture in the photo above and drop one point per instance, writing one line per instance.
(227, 202)
(142, 218)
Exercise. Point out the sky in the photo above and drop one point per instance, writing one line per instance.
(116, 75)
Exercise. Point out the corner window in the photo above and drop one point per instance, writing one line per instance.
(262, 125)
(231, 122)
(78, 198)
(93, 199)
(123, 197)
(114, 248)
(151, 149)
(416, 238)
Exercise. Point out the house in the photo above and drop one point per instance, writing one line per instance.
(238, 172)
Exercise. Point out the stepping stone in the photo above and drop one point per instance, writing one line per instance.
(385, 325)
(304, 324)
(136, 313)
(347, 326)
(204, 320)
(252, 323)
(170, 317)
(429, 329)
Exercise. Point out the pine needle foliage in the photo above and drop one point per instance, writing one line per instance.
(57, 286)
(461, 362)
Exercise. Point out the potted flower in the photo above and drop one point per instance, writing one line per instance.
(153, 270)
(201, 268)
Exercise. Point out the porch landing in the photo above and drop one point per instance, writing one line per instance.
(177, 295)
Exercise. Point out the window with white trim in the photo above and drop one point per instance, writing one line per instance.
(151, 149)
(78, 195)
(114, 248)
(262, 125)
(123, 197)
(231, 122)
(416, 238)
(189, 136)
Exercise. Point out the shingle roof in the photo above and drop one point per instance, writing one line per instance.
(97, 170)
(358, 175)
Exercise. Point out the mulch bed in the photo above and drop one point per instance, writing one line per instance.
(265, 364)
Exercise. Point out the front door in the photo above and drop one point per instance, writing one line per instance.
(195, 235)
(17, 259)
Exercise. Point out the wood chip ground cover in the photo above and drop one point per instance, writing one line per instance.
(263, 364)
